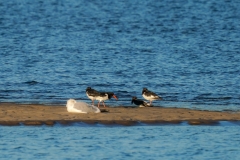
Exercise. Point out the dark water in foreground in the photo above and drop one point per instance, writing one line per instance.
(186, 51)
(136, 142)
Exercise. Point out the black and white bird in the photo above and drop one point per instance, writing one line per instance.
(92, 94)
(100, 96)
(150, 96)
(139, 102)
(103, 96)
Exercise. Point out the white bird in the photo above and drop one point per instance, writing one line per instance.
(81, 107)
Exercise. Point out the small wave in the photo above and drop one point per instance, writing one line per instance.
(10, 91)
(203, 97)
(31, 82)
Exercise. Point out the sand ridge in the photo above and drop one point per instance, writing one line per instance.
(34, 114)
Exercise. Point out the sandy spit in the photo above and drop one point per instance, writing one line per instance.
(33, 114)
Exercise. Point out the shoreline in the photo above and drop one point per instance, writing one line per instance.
(12, 114)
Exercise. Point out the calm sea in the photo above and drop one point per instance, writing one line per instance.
(81, 141)
(186, 51)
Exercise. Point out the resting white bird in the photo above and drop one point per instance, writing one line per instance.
(81, 107)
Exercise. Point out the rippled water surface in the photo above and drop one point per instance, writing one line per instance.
(186, 51)
(136, 142)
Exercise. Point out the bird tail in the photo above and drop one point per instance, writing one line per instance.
(146, 104)
(160, 98)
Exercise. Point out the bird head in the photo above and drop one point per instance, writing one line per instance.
(133, 98)
(88, 88)
(144, 90)
(111, 94)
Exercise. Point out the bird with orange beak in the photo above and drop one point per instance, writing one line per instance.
(103, 96)
(100, 96)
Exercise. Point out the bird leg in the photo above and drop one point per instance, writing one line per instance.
(98, 104)
(103, 104)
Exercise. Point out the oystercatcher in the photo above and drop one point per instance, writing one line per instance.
(92, 94)
(100, 96)
(149, 95)
(139, 102)
(105, 96)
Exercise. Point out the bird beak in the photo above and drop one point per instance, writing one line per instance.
(114, 96)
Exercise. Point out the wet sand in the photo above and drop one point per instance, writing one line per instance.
(31, 114)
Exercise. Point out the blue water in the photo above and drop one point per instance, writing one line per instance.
(188, 52)
(137, 142)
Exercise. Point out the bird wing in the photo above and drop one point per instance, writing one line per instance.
(85, 108)
(92, 92)
(102, 94)
(152, 95)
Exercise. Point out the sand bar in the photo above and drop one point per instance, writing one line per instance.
(31, 114)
